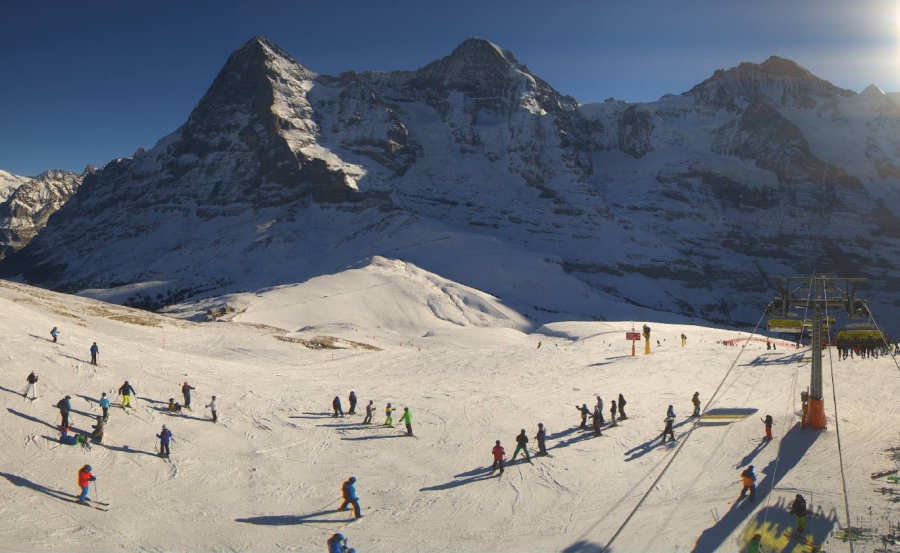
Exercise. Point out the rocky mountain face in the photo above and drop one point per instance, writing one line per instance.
(29, 203)
(474, 168)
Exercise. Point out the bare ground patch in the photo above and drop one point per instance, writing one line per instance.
(327, 342)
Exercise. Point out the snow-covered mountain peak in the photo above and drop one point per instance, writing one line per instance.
(474, 61)
(872, 91)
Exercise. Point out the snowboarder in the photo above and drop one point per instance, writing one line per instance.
(498, 457)
(348, 491)
(521, 444)
(599, 407)
(337, 543)
(173, 406)
(336, 405)
(798, 509)
(352, 403)
(370, 410)
(541, 438)
(407, 419)
(164, 437)
(95, 351)
(768, 422)
(186, 392)
(585, 412)
(622, 407)
(64, 407)
(612, 413)
(387, 411)
(683, 339)
(54, 333)
(667, 431)
(84, 481)
(104, 404)
(670, 412)
(126, 391)
(748, 479)
(32, 386)
(212, 407)
(97, 434)
(696, 401)
(597, 420)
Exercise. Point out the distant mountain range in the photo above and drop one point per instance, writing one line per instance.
(476, 169)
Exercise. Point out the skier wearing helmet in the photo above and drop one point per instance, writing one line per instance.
(84, 481)
(164, 437)
(348, 491)
(186, 392)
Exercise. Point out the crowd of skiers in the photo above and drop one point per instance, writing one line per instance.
(406, 418)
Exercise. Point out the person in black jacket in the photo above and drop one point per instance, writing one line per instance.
(521, 444)
(352, 404)
(798, 509)
(32, 386)
(541, 440)
(585, 413)
(186, 392)
(336, 405)
(612, 413)
(64, 407)
(667, 431)
(622, 407)
(768, 422)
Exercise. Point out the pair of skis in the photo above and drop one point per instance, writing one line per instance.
(99, 505)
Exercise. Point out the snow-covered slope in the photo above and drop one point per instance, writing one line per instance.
(474, 168)
(268, 476)
(9, 183)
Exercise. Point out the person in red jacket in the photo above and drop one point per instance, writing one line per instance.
(498, 452)
(84, 480)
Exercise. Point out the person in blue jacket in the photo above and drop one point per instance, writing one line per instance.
(64, 407)
(348, 491)
(104, 404)
(95, 351)
(337, 543)
(164, 438)
(54, 333)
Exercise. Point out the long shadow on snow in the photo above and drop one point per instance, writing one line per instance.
(793, 446)
(75, 358)
(771, 525)
(474, 475)
(181, 414)
(148, 400)
(750, 456)
(562, 433)
(582, 546)
(382, 436)
(24, 482)
(30, 418)
(41, 338)
(789, 359)
(11, 391)
(353, 425)
(586, 435)
(313, 416)
(125, 449)
(287, 520)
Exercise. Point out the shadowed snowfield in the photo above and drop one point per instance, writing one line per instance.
(268, 476)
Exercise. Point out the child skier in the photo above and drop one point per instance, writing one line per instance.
(104, 404)
(212, 407)
(164, 437)
(748, 480)
(352, 403)
(585, 412)
(348, 491)
(126, 391)
(541, 438)
(54, 333)
(768, 422)
(84, 481)
(97, 434)
(387, 411)
(521, 444)
(370, 410)
(336, 405)
(95, 351)
(696, 401)
(32, 386)
(498, 453)
(798, 509)
(622, 407)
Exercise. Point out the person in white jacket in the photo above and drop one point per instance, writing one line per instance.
(212, 407)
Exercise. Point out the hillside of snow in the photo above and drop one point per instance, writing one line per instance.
(267, 477)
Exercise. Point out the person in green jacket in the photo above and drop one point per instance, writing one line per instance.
(407, 418)
(753, 546)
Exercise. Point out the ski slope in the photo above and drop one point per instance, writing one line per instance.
(267, 477)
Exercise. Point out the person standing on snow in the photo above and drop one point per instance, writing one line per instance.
(336, 405)
(64, 407)
(84, 481)
(753, 546)
(95, 351)
(748, 479)
(612, 413)
(164, 437)
(407, 419)
(541, 438)
(498, 453)
(126, 391)
(370, 411)
(212, 407)
(585, 412)
(798, 509)
(387, 411)
(668, 431)
(768, 422)
(54, 333)
(32, 386)
(696, 401)
(597, 420)
(599, 407)
(352, 403)
(104, 404)
(670, 412)
(521, 444)
(348, 492)
(186, 392)
(622, 407)
(683, 339)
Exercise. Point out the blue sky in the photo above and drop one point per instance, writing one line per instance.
(86, 82)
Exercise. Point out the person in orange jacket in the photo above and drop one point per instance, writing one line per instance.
(84, 481)
(498, 452)
(748, 479)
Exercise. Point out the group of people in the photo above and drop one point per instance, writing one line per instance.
(597, 415)
(389, 409)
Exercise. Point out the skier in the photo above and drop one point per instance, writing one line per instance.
(768, 423)
(768, 344)
(670, 412)
(64, 407)
(668, 430)
(597, 420)
(348, 491)
(173, 407)
(95, 351)
(521, 443)
(54, 333)
(612, 413)
(798, 509)
(498, 457)
(337, 543)
(186, 392)
(387, 411)
(539, 344)
(84, 481)
(541, 438)
(104, 404)
(97, 434)
(336, 405)
(585, 412)
(407, 418)
(212, 407)
(748, 479)
(696, 401)
(683, 339)
(753, 546)
(164, 437)
(126, 391)
(32, 386)
(599, 407)
(370, 410)
(352, 403)
(622, 407)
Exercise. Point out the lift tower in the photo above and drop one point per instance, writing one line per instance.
(818, 293)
